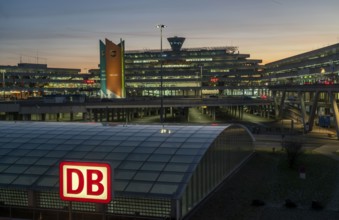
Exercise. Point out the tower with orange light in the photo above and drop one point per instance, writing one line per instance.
(112, 69)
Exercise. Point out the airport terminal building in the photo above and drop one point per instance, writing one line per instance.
(180, 72)
(156, 175)
(27, 80)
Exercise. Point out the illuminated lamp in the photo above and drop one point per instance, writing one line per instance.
(89, 81)
(214, 79)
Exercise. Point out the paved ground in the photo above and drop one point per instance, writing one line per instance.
(231, 201)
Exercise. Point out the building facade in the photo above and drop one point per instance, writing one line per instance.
(35, 80)
(319, 66)
(194, 72)
(180, 72)
(112, 69)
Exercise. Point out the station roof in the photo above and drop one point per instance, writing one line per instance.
(145, 161)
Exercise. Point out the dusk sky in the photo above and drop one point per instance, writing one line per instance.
(66, 33)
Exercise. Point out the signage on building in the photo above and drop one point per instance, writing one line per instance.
(85, 181)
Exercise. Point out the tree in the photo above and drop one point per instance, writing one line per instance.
(293, 150)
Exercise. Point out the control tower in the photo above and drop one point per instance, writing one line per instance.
(176, 43)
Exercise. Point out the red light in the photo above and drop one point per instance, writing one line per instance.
(214, 79)
(89, 81)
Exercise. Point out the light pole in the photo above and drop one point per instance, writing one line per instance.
(201, 82)
(161, 26)
(3, 84)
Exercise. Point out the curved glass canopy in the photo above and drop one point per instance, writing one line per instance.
(147, 163)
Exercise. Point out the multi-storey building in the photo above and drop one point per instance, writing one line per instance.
(35, 80)
(194, 72)
(319, 66)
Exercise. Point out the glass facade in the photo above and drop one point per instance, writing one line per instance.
(155, 174)
(314, 67)
(194, 72)
(35, 80)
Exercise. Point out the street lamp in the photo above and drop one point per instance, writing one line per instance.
(161, 26)
(3, 84)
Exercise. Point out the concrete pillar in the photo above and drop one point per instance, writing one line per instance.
(335, 112)
(213, 113)
(314, 108)
(112, 114)
(100, 114)
(107, 114)
(303, 111)
(282, 103)
(89, 111)
(95, 112)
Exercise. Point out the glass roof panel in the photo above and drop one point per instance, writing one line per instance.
(4, 151)
(16, 169)
(3, 167)
(27, 160)
(131, 165)
(120, 185)
(182, 159)
(177, 167)
(146, 176)
(124, 174)
(164, 188)
(116, 156)
(47, 181)
(37, 153)
(7, 178)
(9, 159)
(171, 177)
(159, 158)
(153, 166)
(143, 187)
(25, 180)
(137, 157)
(38, 170)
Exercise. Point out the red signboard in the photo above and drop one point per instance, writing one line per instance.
(85, 182)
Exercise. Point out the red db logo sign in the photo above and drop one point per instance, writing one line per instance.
(85, 182)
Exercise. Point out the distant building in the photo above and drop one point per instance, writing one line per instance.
(35, 80)
(193, 72)
(319, 66)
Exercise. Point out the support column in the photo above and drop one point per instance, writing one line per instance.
(89, 114)
(100, 114)
(313, 110)
(107, 114)
(335, 112)
(71, 116)
(282, 103)
(213, 113)
(303, 111)
(95, 112)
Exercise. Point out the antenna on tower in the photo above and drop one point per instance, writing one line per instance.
(37, 56)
